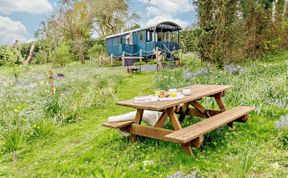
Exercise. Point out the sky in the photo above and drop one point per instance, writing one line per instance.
(19, 19)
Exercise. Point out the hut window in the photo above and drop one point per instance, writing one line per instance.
(121, 40)
(149, 36)
(129, 39)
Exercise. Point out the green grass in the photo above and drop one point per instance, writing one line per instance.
(86, 149)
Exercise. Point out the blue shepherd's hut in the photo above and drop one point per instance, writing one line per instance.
(163, 36)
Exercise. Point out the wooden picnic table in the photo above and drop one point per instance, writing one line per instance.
(192, 135)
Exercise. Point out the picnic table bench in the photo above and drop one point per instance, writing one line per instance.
(192, 135)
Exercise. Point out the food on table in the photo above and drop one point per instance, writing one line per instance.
(173, 94)
(163, 94)
(157, 92)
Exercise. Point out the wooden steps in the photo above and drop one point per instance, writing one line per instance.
(117, 125)
(197, 130)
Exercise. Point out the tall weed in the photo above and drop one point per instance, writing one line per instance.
(14, 139)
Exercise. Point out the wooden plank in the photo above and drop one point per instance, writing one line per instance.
(150, 132)
(191, 132)
(213, 112)
(138, 119)
(198, 92)
(117, 125)
(187, 149)
(175, 122)
(195, 112)
(198, 106)
(220, 102)
(221, 105)
(161, 120)
(198, 141)
(177, 126)
(242, 119)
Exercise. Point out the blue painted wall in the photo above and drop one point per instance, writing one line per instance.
(139, 40)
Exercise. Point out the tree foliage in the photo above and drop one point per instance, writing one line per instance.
(76, 21)
(235, 30)
(110, 16)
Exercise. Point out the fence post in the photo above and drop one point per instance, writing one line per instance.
(141, 55)
(111, 59)
(140, 59)
(181, 55)
(123, 58)
(51, 82)
(157, 58)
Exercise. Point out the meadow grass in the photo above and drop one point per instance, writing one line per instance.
(83, 148)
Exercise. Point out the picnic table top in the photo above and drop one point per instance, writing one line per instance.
(197, 92)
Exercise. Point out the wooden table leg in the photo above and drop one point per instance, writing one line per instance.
(161, 120)
(221, 105)
(177, 126)
(138, 120)
(184, 112)
(200, 108)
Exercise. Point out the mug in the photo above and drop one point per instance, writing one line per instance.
(186, 92)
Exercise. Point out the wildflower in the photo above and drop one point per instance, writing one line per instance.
(282, 123)
(233, 69)
(148, 162)
(187, 75)
(2, 91)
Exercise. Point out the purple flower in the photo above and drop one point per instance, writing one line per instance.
(233, 69)
(282, 123)
(2, 91)
(187, 75)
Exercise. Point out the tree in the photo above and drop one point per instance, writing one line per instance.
(110, 16)
(76, 25)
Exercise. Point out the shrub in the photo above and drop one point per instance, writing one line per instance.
(152, 61)
(14, 139)
(42, 57)
(52, 106)
(10, 56)
(41, 128)
(283, 138)
(96, 51)
(61, 55)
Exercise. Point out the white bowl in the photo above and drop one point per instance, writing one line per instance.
(186, 92)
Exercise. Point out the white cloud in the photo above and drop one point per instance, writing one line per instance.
(158, 19)
(11, 30)
(159, 10)
(33, 7)
(171, 7)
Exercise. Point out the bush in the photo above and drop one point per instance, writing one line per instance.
(41, 128)
(42, 57)
(96, 51)
(10, 56)
(52, 106)
(61, 55)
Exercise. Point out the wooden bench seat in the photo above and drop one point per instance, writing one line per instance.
(117, 125)
(197, 130)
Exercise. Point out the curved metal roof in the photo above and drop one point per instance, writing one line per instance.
(166, 24)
